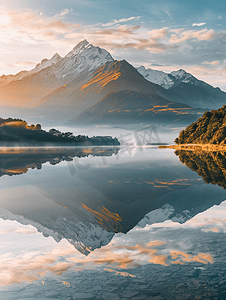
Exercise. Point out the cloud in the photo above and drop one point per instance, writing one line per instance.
(121, 253)
(27, 27)
(198, 24)
(21, 64)
(64, 12)
(123, 20)
(201, 35)
(215, 63)
(168, 14)
(27, 30)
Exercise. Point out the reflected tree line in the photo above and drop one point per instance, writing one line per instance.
(211, 166)
(16, 162)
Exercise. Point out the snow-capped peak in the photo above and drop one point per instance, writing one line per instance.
(78, 48)
(167, 80)
(179, 73)
(157, 77)
(45, 63)
(84, 56)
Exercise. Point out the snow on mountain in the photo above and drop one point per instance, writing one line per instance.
(166, 212)
(84, 236)
(182, 76)
(170, 80)
(158, 77)
(83, 57)
(45, 63)
(6, 79)
(51, 74)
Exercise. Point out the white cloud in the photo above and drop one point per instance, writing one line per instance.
(64, 12)
(123, 20)
(198, 24)
(27, 31)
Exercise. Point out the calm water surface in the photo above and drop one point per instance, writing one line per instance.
(110, 223)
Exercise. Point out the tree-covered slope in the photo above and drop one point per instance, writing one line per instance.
(16, 132)
(209, 129)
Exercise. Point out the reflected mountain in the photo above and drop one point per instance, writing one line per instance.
(16, 161)
(211, 166)
(89, 208)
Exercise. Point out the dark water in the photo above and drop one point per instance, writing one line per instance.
(110, 223)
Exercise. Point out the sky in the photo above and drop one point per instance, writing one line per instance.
(162, 35)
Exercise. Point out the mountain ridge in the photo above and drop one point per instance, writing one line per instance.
(31, 87)
(195, 92)
(90, 88)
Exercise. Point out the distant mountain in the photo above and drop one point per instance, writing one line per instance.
(209, 129)
(133, 107)
(194, 92)
(158, 77)
(62, 88)
(113, 78)
(26, 88)
(45, 63)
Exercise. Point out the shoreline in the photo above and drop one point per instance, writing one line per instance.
(195, 147)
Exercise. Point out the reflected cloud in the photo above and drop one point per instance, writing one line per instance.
(124, 253)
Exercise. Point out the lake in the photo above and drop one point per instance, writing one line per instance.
(129, 222)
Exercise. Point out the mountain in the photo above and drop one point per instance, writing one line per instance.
(133, 107)
(64, 87)
(27, 88)
(158, 77)
(113, 79)
(209, 129)
(194, 92)
(45, 63)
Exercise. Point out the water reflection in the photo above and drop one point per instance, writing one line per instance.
(16, 161)
(147, 224)
(210, 165)
(90, 207)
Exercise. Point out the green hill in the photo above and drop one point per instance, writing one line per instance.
(209, 129)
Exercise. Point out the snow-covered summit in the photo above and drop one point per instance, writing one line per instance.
(161, 78)
(83, 57)
(78, 48)
(45, 63)
(183, 76)
(168, 80)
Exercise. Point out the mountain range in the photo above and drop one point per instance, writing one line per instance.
(89, 86)
(194, 92)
